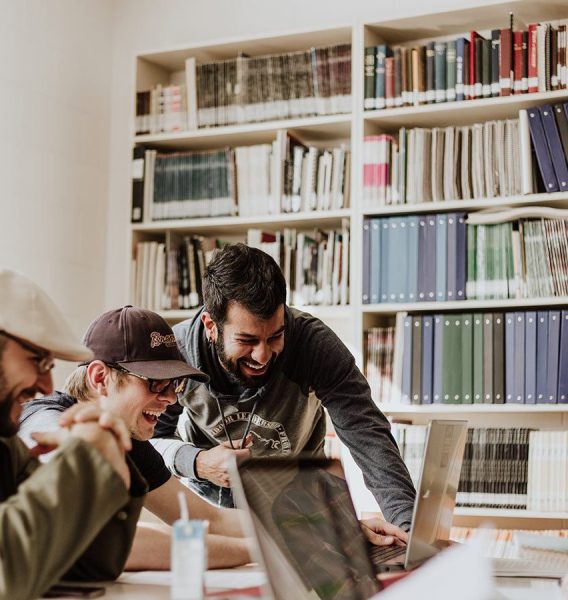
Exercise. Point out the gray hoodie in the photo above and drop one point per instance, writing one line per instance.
(286, 416)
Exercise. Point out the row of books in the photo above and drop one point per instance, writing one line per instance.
(263, 179)
(495, 467)
(443, 164)
(500, 63)
(163, 109)
(514, 253)
(523, 258)
(315, 264)
(514, 468)
(170, 278)
(414, 258)
(483, 358)
(246, 89)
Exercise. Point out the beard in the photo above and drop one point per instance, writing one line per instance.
(232, 366)
(7, 427)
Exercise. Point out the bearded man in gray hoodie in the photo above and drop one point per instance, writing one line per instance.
(272, 371)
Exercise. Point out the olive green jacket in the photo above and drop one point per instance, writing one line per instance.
(71, 518)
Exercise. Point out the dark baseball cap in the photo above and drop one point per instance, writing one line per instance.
(141, 342)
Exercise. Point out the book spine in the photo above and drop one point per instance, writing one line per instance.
(440, 75)
(369, 69)
(540, 146)
(451, 71)
(505, 62)
(532, 58)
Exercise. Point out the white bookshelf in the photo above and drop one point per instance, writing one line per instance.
(351, 321)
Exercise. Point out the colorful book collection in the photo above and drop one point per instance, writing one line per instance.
(417, 258)
(520, 258)
(163, 109)
(443, 164)
(484, 358)
(315, 265)
(448, 256)
(248, 89)
(263, 179)
(500, 62)
(494, 471)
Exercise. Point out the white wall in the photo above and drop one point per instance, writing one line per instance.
(54, 138)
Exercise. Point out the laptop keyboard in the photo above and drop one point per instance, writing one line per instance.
(380, 554)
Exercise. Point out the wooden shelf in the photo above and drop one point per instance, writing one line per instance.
(314, 130)
(228, 225)
(457, 409)
(464, 305)
(321, 312)
(465, 112)
(557, 199)
(507, 513)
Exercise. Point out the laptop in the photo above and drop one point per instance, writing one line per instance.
(309, 541)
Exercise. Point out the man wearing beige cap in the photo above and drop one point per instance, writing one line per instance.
(135, 371)
(73, 518)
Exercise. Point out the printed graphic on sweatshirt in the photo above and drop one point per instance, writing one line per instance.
(269, 437)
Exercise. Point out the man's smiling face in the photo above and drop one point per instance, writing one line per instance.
(247, 346)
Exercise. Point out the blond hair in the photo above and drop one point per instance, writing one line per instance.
(78, 386)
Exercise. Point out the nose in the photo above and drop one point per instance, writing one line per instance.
(168, 396)
(261, 353)
(45, 383)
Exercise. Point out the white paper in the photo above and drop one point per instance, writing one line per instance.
(459, 572)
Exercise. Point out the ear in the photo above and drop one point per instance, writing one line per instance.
(97, 373)
(210, 327)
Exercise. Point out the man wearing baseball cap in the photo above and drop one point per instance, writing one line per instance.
(135, 372)
(73, 518)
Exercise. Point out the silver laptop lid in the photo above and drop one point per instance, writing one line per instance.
(437, 488)
(306, 528)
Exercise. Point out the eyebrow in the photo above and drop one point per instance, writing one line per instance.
(248, 336)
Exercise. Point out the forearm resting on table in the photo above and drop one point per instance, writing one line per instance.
(152, 548)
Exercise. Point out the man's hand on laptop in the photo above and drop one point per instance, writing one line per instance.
(382, 533)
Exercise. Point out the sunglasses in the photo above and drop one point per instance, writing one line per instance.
(156, 386)
(43, 358)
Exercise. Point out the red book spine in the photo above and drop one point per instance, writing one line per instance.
(505, 62)
(533, 58)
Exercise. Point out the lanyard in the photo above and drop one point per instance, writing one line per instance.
(247, 428)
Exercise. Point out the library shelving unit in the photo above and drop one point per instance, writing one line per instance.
(350, 321)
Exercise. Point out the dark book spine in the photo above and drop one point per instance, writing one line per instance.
(369, 102)
(505, 61)
(440, 75)
(486, 68)
(517, 62)
(137, 214)
(498, 358)
(430, 73)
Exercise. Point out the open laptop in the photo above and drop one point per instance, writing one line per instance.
(308, 536)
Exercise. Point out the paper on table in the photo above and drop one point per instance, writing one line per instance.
(215, 580)
(458, 572)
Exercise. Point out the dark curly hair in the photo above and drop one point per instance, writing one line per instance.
(248, 276)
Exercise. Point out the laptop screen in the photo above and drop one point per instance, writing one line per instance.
(436, 494)
(303, 515)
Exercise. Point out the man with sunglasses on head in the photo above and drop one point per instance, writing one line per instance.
(75, 517)
(135, 372)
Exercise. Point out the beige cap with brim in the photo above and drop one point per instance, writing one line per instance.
(27, 312)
